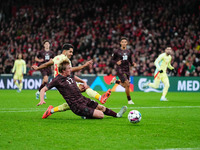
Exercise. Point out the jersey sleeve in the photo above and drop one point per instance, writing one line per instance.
(52, 84)
(54, 59)
(53, 55)
(114, 58)
(169, 64)
(160, 57)
(24, 67)
(39, 55)
(14, 67)
(130, 58)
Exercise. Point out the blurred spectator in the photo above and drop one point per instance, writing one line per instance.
(190, 69)
(94, 27)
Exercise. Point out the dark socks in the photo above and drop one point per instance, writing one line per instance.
(117, 82)
(129, 98)
(109, 112)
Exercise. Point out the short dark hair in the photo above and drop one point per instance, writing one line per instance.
(62, 66)
(67, 46)
(123, 38)
(46, 41)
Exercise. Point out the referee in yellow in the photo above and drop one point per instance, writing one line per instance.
(19, 69)
(162, 63)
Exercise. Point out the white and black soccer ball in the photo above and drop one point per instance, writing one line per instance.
(134, 116)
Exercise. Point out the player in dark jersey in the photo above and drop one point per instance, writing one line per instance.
(80, 105)
(43, 57)
(122, 58)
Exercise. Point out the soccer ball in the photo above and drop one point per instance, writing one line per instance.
(134, 116)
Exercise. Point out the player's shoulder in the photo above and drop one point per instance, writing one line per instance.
(162, 55)
(57, 57)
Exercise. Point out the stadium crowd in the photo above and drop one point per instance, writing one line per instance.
(95, 27)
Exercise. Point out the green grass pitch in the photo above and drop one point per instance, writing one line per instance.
(165, 125)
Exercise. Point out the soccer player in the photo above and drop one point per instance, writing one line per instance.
(66, 55)
(19, 69)
(122, 58)
(44, 56)
(162, 63)
(80, 105)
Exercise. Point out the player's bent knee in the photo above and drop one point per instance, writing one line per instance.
(98, 114)
(167, 85)
(101, 108)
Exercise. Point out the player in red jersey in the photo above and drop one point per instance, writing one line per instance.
(122, 57)
(43, 57)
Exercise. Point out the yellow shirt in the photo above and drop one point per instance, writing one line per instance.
(57, 60)
(19, 67)
(163, 62)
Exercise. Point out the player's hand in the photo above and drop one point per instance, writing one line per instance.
(85, 85)
(119, 62)
(161, 71)
(34, 67)
(174, 71)
(41, 60)
(88, 63)
(134, 64)
(41, 102)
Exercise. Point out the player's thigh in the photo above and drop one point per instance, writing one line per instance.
(123, 76)
(165, 80)
(15, 77)
(18, 77)
(157, 80)
(86, 108)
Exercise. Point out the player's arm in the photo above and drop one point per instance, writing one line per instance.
(49, 63)
(131, 61)
(114, 58)
(74, 69)
(24, 67)
(49, 86)
(14, 68)
(38, 60)
(42, 92)
(156, 63)
(77, 79)
(170, 66)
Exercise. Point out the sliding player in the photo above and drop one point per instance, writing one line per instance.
(80, 105)
(66, 55)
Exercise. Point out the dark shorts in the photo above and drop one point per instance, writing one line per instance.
(86, 108)
(46, 72)
(123, 76)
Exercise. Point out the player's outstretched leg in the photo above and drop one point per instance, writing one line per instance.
(37, 94)
(145, 85)
(122, 111)
(47, 113)
(105, 96)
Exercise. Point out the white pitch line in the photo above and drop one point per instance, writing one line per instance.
(162, 107)
(7, 110)
(179, 149)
